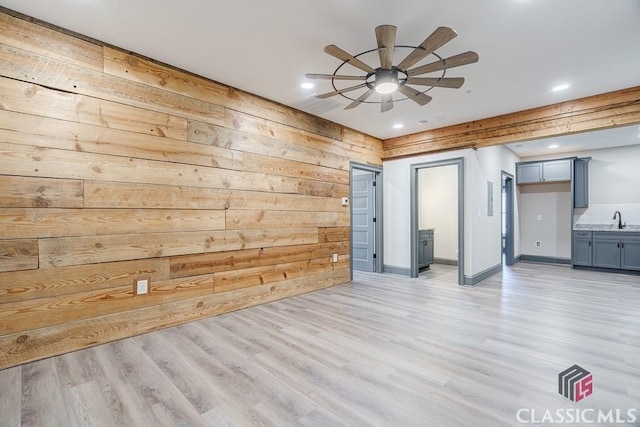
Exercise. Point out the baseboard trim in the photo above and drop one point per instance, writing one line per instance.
(545, 259)
(445, 261)
(402, 271)
(482, 276)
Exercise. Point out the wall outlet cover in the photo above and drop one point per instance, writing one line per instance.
(345, 201)
(335, 257)
(538, 244)
(141, 287)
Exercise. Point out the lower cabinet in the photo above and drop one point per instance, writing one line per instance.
(425, 248)
(618, 250)
(582, 248)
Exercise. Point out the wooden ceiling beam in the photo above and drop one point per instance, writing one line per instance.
(597, 112)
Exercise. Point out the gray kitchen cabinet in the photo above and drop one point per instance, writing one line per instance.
(630, 253)
(581, 183)
(617, 250)
(582, 248)
(425, 248)
(544, 171)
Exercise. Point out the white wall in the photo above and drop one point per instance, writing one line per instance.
(482, 244)
(545, 216)
(438, 208)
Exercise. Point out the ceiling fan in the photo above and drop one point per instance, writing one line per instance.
(388, 78)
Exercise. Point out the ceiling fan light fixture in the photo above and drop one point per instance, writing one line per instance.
(386, 81)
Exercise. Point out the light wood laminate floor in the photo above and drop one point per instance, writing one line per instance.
(384, 350)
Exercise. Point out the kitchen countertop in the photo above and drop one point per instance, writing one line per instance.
(629, 228)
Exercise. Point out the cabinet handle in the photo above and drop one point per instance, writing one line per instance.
(589, 243)
(622, 245)
(618, 244)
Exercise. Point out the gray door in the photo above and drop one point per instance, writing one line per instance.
(363, 211)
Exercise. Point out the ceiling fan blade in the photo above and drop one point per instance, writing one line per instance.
(450, 82)
(387, 103)
(358, 101)
(334, 76)
(453, 61)
(437, 39)
(339, 91)
(386, 38)
(336, 52)
(418, 97)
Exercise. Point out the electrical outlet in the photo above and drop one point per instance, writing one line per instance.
(539, 217)
(335, 257)
(140, 287)
(345, 201)
(538, 244)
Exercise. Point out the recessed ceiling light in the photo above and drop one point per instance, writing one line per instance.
(560, 87)
(398, 126)
(553, 146)
(307, 85)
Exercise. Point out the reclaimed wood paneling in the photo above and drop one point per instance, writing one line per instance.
(46, 222)
(19, 254)
(32, 284)
(29, 98)
(93, 249)
(20, 160)
(248, 219)
(44, 312)
(53, 340)
(115, 167)
(191, 265)
(244, 278)
(45, 41)
(27, 192)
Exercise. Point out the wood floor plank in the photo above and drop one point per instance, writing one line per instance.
(382, 350)
(10, 397)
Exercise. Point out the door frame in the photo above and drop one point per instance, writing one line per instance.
(509, 180)
(415, 168)
(378, 240)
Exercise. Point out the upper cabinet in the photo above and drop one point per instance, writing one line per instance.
(543, 171)
(581, 183)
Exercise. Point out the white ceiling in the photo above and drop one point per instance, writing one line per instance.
(526, 47)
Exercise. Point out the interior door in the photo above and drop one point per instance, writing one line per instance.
(363, 217)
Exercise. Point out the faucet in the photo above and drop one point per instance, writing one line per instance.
(619, 219)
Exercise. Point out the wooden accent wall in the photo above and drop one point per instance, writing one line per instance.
(597, 112)
(113, 168)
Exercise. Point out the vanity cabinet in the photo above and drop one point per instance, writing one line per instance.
(425, 248)
(544, 171)
(583, 248)
(618, 250)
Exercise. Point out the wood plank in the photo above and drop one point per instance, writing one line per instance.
(23, 316)
(99, 194)
(27, 192)
(360, 139)
(592, 113)
(322, 189)
(142, 70)
(39, 39)
(191, 265)
(18, 255)
(26, 66)
(32, 284)
(45, 342)
(29, 98)
(95, 249)
(53, 222)
(291, 168)
(238, 279)
(262, 127)
(218, 136)
(25, 129)
(54, 163)
(334, 234)
(248, 219)
(135, 68)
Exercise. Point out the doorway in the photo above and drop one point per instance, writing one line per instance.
(416, 205)
(366, 218)
(507, 229)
